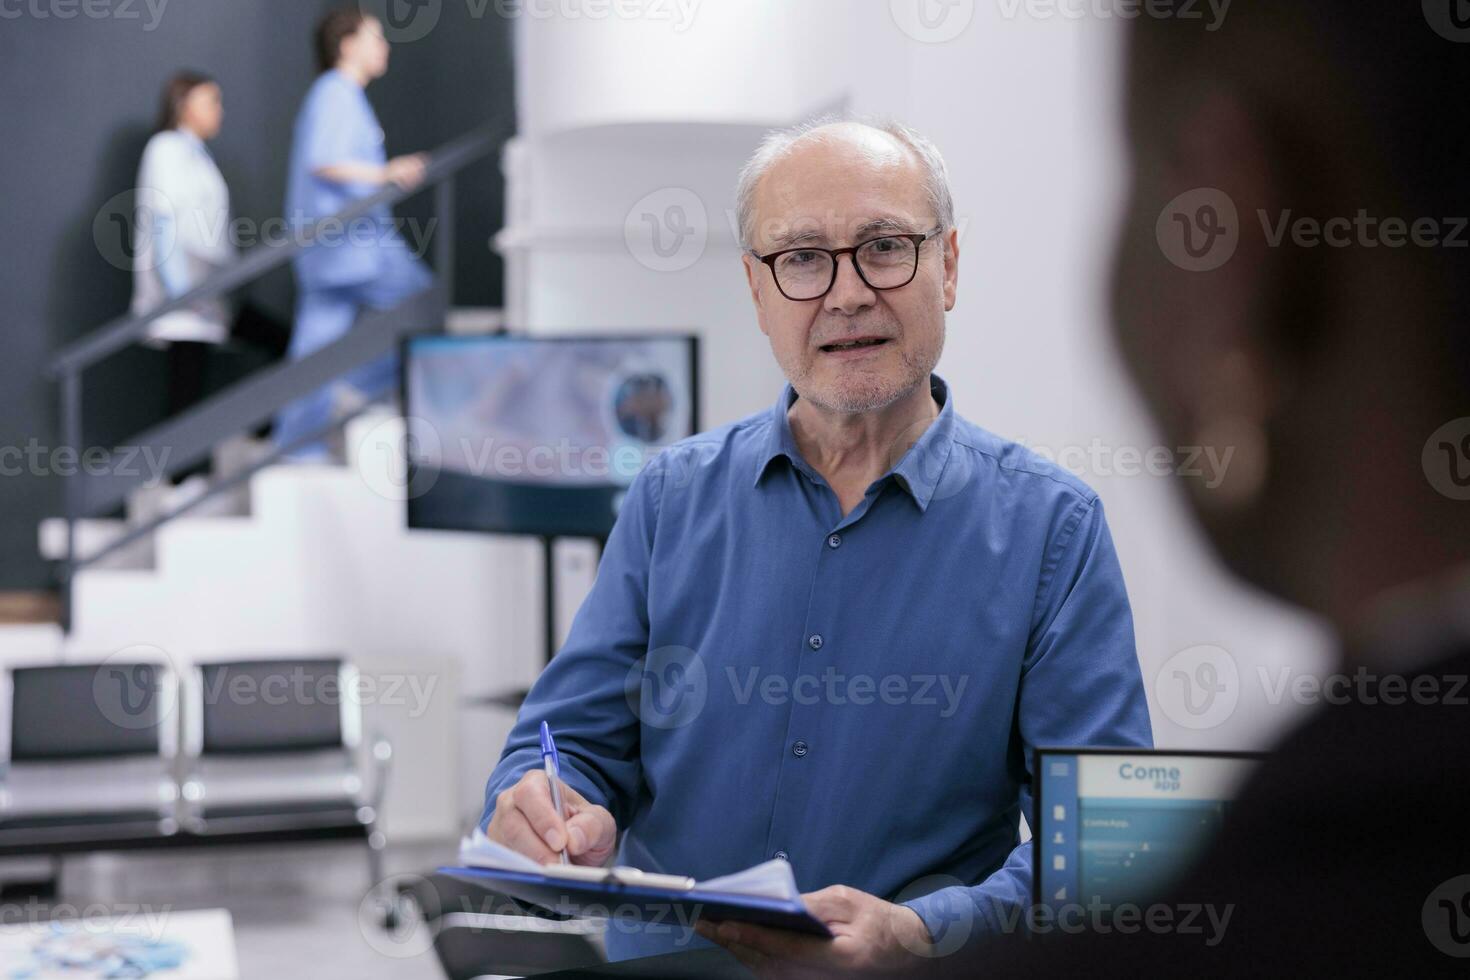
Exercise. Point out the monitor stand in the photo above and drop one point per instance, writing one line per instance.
(513, 699)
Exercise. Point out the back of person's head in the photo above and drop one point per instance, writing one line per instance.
(175, 91)
(1359, 103)
(338, 25)
(1293, 283)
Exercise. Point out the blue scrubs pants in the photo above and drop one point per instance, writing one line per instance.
(324, 315)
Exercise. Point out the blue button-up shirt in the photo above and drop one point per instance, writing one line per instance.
(756, 675)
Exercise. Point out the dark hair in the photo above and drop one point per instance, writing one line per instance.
(338, 25)
(175, 91)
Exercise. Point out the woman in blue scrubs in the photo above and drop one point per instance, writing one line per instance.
(338, 156)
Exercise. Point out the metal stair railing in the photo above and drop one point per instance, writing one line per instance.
(181, 441)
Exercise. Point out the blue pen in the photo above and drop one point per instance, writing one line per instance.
(552, 762)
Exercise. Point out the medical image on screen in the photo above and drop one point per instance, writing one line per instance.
(539, 436)
(642, 405)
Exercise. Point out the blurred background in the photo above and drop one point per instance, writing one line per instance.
(586, 188)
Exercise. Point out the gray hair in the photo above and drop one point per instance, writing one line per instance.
(779, 142)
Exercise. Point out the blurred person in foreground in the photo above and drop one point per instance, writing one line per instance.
(1337, 365)
(338, 157)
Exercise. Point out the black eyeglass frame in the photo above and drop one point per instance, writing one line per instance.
(918, 241)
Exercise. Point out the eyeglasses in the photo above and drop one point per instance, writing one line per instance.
(808, 272)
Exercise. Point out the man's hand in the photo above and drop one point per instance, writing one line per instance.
(407, 172)
(869, 935)
(526, 821)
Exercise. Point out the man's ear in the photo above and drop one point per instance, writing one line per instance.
(753, 279)
(951, 267)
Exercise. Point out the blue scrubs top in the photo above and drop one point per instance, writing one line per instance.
(336, 125)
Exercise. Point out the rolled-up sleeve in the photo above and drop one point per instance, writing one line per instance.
(582, 694)
(1080, 686)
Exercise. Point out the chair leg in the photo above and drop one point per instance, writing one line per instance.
(375, 844)
(387, 902)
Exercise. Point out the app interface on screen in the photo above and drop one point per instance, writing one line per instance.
(1119, 828)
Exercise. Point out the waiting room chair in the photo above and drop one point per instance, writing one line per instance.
(275, 748)
(88, 755)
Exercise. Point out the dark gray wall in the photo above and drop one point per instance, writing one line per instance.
(80, 97)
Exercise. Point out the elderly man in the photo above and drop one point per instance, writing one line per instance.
(832, 632)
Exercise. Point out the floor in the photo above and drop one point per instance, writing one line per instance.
(299, 910)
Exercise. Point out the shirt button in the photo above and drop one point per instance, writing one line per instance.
(781, 856)
(814, 641)
(834, 541)
(799, 749)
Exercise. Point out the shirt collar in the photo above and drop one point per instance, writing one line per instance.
(918, 472)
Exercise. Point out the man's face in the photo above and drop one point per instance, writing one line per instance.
(855, 186)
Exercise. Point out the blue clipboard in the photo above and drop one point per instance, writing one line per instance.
(641, 902)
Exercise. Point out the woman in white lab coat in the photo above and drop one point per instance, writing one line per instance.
(183, 235)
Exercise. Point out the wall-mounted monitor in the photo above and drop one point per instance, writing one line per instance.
(539, 435)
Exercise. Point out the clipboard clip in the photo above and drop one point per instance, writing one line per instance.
(624, 876)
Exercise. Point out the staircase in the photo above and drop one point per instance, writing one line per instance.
(97, 535)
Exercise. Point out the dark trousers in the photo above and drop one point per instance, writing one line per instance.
(252, 327)
(187, 360)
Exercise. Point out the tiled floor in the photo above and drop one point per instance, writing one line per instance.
(299, 910)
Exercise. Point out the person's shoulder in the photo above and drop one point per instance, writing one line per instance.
(1011, 465)
(165, 143)
(164, 151)
(331, 87)
(713, 452)
(165, 138)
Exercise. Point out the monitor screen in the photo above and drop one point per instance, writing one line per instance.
(1117, 827)
(523, 435)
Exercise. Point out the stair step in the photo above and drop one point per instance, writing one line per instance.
(373, 441)
(237, 454)
(148, 503)
(94, 534)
